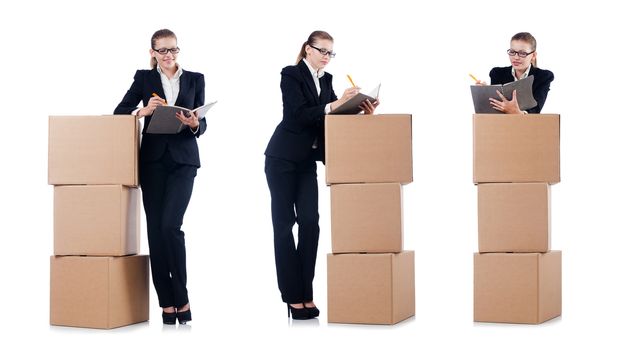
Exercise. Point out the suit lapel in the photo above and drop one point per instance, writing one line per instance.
(325, 89)
(510, 74)
(183, 88)
(156, 83)
(309, 80)
(533, 70)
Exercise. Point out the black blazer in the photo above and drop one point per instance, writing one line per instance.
(182, 146)
(303, 115)
(540, 86)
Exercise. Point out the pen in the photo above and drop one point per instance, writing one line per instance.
(351, 80)
(473, 77)
(156, 95)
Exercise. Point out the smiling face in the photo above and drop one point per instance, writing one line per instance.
(165, 61)
(314, 55)
(521, 63)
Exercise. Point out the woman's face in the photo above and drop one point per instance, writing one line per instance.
(314, 53)
(166, 60)
(520, 47)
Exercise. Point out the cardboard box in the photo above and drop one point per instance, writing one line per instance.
(368, 148)
(366, 218)
(370, 288)
(513, 217)
(93, 150)
(516, 148)
(517, 288)
(96, 220)
(99, 292)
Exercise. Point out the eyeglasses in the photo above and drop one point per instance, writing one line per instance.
(163, 51)
(324, 52)
(521, 54)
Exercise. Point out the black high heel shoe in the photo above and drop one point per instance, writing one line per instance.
(298, 314)
(168, 317)
(184, 316)
(313, 311)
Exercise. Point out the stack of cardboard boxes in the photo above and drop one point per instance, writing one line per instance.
(96, 278)
(370, 277)
(517, 278)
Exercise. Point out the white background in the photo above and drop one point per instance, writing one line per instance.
(77, 58)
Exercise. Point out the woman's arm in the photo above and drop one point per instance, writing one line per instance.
(200, 92)
(295, 104)
(540, 91)
(132, 97)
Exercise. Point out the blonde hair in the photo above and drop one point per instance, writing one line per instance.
(313, 37)
(162, 33)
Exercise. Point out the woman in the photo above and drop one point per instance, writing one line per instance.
(522, 55)
(291, 155)
(168, 166)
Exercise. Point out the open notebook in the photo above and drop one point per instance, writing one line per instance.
(482, 93)
(164, 121)
(352, 105)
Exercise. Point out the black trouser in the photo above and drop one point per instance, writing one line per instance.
(294, 198)
(166, 187)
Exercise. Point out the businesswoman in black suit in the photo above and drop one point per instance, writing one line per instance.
(168, 166)
(291, 155)
(522, 55)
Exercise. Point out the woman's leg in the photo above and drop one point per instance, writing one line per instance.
(178, 190)
(153, 177)
(307, 218)
(282, 182)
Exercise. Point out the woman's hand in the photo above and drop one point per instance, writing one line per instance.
(481, 83)
(192, 121)
(506, 106)
(369, 107)
(151, 106)
(348, 94)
